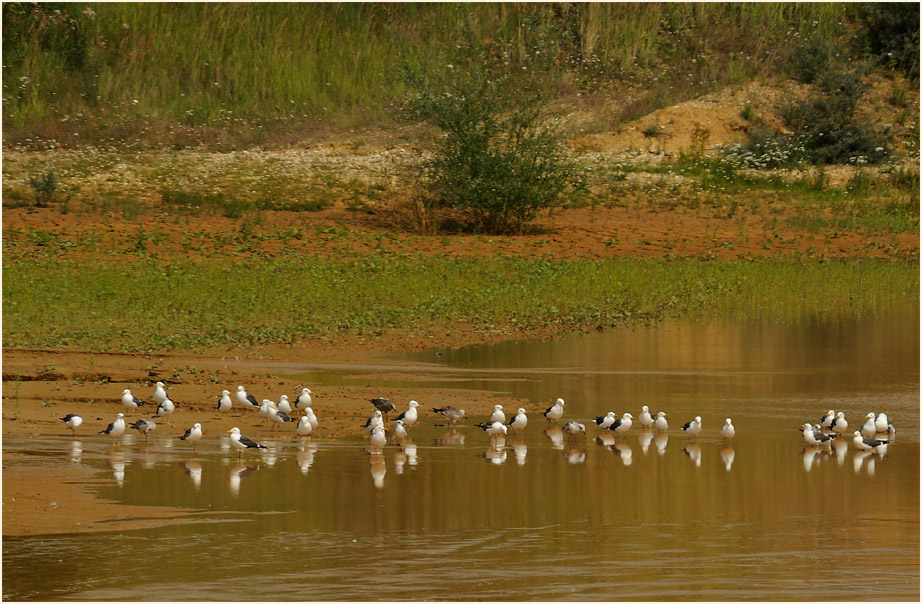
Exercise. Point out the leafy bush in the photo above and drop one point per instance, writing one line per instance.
(499, 159)
(44, 187)
(891, 32)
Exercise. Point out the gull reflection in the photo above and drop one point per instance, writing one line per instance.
(574, 455)
(452, 438)
(378, 470)
(194, 470)
(240, 472)
(400, 460)
(556, 436)
(605, 439)
(224, 443)
(858, 460)
(645, 439)
(841, 448)
(270, 454)
(409, 447)
(728, 455)
(117, 463)
(869, 465)
(148, 459)
(694, 453)
(496, 454)
(661, 440)
(128, 438)
(306, 457)
(626, 453)
(521, 451)
(76, 451)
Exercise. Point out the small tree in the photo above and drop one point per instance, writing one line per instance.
(499, 158)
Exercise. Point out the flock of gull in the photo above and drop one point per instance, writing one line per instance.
(874, 435)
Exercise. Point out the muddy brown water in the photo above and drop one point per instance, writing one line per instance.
(452, 516)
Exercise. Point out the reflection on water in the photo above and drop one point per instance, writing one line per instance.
(468, 517)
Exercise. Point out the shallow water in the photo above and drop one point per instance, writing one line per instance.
(539, 517)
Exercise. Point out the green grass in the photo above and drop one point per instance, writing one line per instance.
(208, 304)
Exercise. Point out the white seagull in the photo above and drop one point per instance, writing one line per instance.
(826, 420)
(245, 398)
(882, 422)
(284, 405)
(311, 417)
(116, 428)
(660, 423)
(555, 411)
(165, 408)
(519, 420)
(303, 401)
(868, 444)
(378, 437)
(869, 428)
(159, 393)
(622, 424)
(144, 426)
(241, 442)
(839, 425)
(130, 401)
(604, 421)
(304, 427)
(224, 401)
(400, 430)
(278, 417)
(193, 434)
(375, 420)
(494, 429)
(815, 437)
(572, 428)
(498, 415)
(727, 431)
(693, 427)
(409, 416)
(73, 422)
(264, 408)
(645, 419)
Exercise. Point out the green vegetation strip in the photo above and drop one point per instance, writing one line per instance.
(151, 305)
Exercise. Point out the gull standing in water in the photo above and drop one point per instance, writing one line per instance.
(72, 421)
(193, 434)
(693, 427)
(622, 424)
(145, 426)
(409, 416)
(450, 413)
(555, 411)
(304, 427)
(519, 420)
(498, 415)
(400, 430)
(869, 429)
(604, 421)
(645, 419)
(883, 423)
(116, 428)
(727, 431)
(660, 423)
(868, 444)
(241, 442)
(130, 401)
(245, 398)
(378, 437)
(839, 425)
(572, 428)
(815, 437)
(826, 420)
(494, 429)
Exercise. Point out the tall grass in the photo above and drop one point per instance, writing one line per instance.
(223, 64)
(150, 305)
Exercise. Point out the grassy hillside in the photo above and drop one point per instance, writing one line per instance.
(256, 72)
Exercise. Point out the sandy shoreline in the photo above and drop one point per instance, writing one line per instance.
(40, 387)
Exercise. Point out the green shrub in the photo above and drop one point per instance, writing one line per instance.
(499, 159)
(44, 187)
(890, 31)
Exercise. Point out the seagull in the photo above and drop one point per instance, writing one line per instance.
(378, 437)
(130, 401)
(400, 430)
(73, 422)
(555, 412)
(224, 401)
(410, 415)
(159, 393)
(241, 442)
(144, 426)
(693, 427)
(868, 444)
(451, 414)
(383, 405)
(498, 415)
(265, 407)
(660, 422)
(374, 420)
(304, 427)
(604, 421)
(311, 417)
(727, 431)
(882, 422)
(519, 420)
(622, 424)
(826, 420)
(494, 429)
(572, 428)
(278, 417)
(284, 405)
(165, 408)
(193, 434)
(815, 437)
(839, 425)
(645, 419)
(245, 398)
(303, 400)
(869, 428)
(116, 428)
